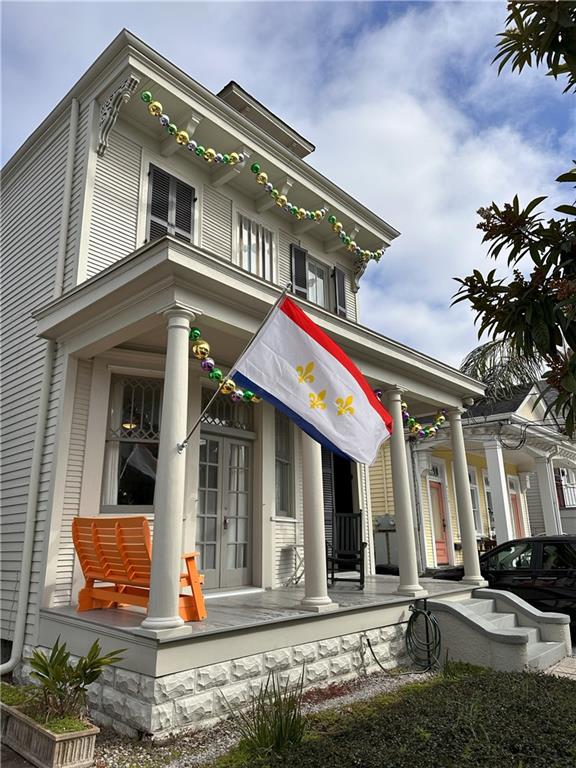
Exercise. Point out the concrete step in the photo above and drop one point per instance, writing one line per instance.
(501, 620)
(480, 607)
(533, 633)
(543, 655)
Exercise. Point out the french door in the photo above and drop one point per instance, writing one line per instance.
(224, 525)
(439, 519)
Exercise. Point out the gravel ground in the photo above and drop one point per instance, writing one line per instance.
(200, 747)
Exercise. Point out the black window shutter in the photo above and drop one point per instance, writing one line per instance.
(160, 194)
(339, 292)
(183, 210)
(171, 206)
(299, 276)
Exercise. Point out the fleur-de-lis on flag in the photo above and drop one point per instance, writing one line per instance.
(305, 373)
(345, 405)
(317, 401)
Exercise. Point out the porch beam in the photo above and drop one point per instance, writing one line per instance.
(170, 479)
(407, 561)
(472, 573)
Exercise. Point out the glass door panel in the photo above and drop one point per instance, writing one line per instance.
(236, 523)
(209, 513)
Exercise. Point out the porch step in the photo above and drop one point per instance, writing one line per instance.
(481, 607)
(499, 630)
(544, 655)
(502, 620)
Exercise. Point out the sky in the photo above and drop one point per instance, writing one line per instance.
(400, 98)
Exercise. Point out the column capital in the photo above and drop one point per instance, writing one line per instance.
(179, 309)
(456, 410)
(394, 392)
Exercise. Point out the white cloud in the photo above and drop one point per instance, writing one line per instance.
(407, 114)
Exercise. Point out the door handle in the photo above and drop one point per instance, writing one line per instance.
(226, 523)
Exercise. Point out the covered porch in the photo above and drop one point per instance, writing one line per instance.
(134, 319)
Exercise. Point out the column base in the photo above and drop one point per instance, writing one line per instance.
(412, 590)
(318, 605)
(162, 622)
(475, 581)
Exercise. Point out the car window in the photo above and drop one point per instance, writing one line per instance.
(513, 557)
(558, 557)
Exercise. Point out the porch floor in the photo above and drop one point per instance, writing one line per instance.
(251, 607)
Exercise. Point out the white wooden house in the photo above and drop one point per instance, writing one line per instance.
(117, 239)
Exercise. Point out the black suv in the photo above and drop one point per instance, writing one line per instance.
(539, 569)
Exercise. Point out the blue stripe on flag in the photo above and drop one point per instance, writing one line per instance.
(245, 383)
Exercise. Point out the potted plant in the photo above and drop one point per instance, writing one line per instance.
(47, 723)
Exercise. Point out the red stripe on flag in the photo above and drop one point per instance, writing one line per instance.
(301, 319)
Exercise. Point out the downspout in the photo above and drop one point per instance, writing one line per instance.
(40, 433)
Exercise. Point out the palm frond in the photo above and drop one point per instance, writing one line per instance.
(502, 368)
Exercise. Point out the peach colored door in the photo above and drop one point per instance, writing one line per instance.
(439, 518)
(517, 514)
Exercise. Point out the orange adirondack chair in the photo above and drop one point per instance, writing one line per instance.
(118, 551)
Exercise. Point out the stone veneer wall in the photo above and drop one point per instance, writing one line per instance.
(135, 704)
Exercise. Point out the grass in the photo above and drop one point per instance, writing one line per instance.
(466, 718)
(25, 698)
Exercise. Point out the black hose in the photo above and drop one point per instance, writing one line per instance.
(423, 641)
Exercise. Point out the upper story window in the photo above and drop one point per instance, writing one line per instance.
(132, 441)
(170, 206)
(255, 248)
(311, 280)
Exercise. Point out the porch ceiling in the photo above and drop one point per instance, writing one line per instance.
(123, 305)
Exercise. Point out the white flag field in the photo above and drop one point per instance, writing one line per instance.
(295, 365)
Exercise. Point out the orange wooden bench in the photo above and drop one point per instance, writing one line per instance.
(118, 551)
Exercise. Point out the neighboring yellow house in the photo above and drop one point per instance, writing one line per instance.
(514, 456)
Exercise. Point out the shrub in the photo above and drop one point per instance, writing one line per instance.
(274, 723)
(63, 685)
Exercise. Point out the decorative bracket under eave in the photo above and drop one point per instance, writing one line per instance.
(359, 269)
(111, 107)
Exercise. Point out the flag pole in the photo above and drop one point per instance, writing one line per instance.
(181, 446)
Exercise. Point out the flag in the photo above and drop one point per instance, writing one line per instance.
(297, 367)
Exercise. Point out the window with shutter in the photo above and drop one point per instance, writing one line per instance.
(317, 277)
(170, 206)
(299, 270)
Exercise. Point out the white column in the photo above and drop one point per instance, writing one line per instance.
(170, 480)
(407, 561)
(315, 573)
(472, 573)
(548, 497)
(499, 492)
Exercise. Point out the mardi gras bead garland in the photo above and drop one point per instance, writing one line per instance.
(414, 427)
(426, 430)
(210, 155)
(201, 351)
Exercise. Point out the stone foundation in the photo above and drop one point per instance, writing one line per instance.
(135, 704)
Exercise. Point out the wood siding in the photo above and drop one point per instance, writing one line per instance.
(77, 198)
(114, 219)
(534, 503)
(216, 223)
(62, 590)
(31, 215)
